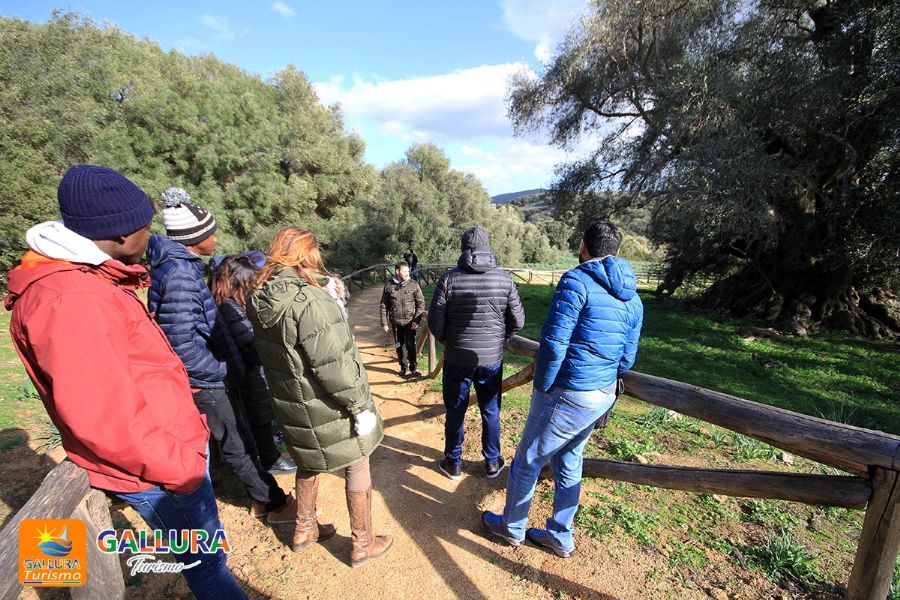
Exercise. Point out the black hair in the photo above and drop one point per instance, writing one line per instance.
(601, 238)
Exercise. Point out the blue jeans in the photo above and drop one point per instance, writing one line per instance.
(166, 510)
(457, 381)
(558, 427)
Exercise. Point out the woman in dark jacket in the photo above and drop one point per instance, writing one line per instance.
(319, 387)
(231, 284)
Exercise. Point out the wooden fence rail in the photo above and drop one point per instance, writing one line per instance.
(65, 494)
(873, 457)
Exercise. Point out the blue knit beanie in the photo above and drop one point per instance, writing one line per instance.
(100, 203)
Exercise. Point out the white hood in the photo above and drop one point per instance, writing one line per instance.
(54, 240)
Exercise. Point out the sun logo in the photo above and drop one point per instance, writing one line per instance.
(52, 552)
(53, 545)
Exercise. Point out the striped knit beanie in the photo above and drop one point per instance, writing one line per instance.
(185, 222)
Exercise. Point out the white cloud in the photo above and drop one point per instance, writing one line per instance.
(541, 22)
(284, 10)
(510, 164)
(464, 112)
(219, 25)
(455, 106)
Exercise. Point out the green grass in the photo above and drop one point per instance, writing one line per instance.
(829, 375)
(782, 558)
(20, 406)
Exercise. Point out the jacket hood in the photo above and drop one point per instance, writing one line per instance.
(54, 240)
(475, 238)
(36, 266)
(275, 297)
(476, 254)
(161, 249)
(614, 274)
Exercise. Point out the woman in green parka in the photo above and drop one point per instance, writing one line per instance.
(319, 387)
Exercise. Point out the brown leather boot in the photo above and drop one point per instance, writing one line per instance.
(307, 529)
(366, 544)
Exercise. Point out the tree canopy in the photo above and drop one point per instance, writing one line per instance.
(763, 134)
(258, 154)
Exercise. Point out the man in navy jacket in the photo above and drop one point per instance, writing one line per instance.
(187, 314)
(589, 339)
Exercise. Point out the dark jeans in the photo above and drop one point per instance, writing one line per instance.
(257, 437)
(266, 448)
(166, 510)
(405, 340)
(223, 427)
(457, 381)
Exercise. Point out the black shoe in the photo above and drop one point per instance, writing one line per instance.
(404, 373)
(492, 469)
(450, 470)
(283, 466)
(415, 374)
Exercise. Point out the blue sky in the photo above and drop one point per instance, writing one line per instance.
(403, 71)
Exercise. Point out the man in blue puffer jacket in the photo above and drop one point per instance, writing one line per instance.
(590, 337)
(187, 314)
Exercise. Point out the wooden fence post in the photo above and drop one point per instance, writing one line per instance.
(879, 541)
(59, 494)
(105, 580)
(432, 354)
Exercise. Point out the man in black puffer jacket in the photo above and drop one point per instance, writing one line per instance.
(187, 315)
(475, 308)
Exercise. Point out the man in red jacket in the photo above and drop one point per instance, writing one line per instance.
(106, 373)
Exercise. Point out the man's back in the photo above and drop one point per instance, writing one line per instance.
(475, 307)
(591, 332)
(186, 312)
(132, 378)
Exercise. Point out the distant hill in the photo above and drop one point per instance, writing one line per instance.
(535, 205)
(504, 198)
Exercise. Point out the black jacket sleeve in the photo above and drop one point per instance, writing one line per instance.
(515, 312)
(437, 312)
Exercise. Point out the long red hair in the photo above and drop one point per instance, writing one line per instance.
(297, 248)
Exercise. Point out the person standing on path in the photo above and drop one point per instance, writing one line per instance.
(589, 339)
(402, 308)
(319, 388)
(230, 286)
(186, 312)
(106, 374)
(412, 260)
(474, 310)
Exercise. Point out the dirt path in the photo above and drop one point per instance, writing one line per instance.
(440, 550)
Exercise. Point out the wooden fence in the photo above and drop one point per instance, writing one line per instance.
(65, 494)
(871, 457)
(428, 274)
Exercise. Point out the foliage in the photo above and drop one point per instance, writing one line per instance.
(780, 557)
(257, 154)
(748, 448)
(768, 512)
(763, 135)
(629, 449)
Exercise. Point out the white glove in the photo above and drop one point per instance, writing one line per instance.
(364, 422)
